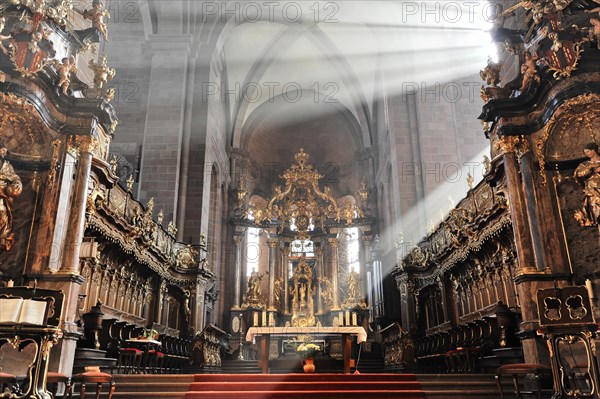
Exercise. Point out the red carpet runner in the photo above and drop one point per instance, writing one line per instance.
(301, 386)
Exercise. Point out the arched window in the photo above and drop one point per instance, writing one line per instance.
(351, 248)
(252, 250)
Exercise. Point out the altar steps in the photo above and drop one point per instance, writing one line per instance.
(274, 386)
(285, 386)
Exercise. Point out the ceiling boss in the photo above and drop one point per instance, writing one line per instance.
(301, 205)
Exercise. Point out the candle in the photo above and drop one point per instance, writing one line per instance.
(255, 319)
(341, 318)
(590, 288)
(347, 318)
(10, 283)
(271, 319)
(354, 319)
(264, 318)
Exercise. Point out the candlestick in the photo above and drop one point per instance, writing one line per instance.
(590, 289)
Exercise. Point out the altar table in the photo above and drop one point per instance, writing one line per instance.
(267, 332)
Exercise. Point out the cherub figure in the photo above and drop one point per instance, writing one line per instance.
(529, 70)
(97, 15)
(102, 72)
(64, 70)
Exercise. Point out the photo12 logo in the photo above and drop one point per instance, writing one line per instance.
(293, 12)
(259, 92)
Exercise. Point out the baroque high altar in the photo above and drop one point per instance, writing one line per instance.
(301, 281)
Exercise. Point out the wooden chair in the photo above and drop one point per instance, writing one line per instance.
(538, 371)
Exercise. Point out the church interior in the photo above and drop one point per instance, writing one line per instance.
(293, 199)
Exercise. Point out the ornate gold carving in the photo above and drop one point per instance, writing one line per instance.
(514, 144)
(573, 113)
(303, 311)
(10, 187)
(102, 72)
(187, 257)
(86, 143)
(301, 205)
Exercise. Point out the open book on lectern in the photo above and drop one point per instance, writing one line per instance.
(23, 311)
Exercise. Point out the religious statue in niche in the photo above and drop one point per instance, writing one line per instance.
(10, 188)
(253, 297)
(302, 291)
(588, 175)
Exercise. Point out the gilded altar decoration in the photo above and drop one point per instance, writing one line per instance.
(301, 205)
(102, 72)
(57, 10)
(253, 296)
(576, 115)
(99, 17)
(302, 290)
(187, 257)
(10, 188)
(588, 175)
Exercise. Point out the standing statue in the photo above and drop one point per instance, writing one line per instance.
(529, 70)
(65, 69)
(102, 72)
(10, 187)
(97, 15)
(353, 289)
(588, 175)
(253, 293)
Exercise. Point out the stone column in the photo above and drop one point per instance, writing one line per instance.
(165, 121)
(333, 248)
(273, 244)
(237, 239)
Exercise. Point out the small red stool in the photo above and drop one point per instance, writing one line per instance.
(94, 377)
